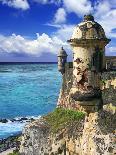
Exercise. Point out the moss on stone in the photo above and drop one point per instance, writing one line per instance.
(14, 153)
(60, 118)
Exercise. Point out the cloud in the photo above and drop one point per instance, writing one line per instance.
(64, 32)
(48, 1)
(111, 50)
(18, 44)
(108, 23)
(105, 14)
(60, 16)
(79, 7)
(103, 10)
(18, 4)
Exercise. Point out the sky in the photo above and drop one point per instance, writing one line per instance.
(35, 30)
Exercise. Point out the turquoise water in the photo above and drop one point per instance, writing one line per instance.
(27, 90)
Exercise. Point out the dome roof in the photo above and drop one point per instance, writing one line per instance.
(62, 53)
(88, 29)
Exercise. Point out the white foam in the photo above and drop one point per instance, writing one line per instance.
(12, 128)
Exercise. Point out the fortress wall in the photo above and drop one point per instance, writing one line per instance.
(93, 135)
(113, 82)
(67, 82)
(108, 85)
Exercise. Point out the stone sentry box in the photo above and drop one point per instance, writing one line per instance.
(88, 46)
(62, 59)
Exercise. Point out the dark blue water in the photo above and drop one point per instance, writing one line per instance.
(27, 90)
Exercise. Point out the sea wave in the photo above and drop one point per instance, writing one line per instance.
(14, 126)
(5, 71)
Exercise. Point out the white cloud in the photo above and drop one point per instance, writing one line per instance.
(108, 23)
(64, 32)
(79, 7)
(19, 44)
(18, 4)
(48, 1)
(111, 50)
(42, 1)
(101, 7)
(60, 16)
(105, 14)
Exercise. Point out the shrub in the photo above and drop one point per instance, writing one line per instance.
(60, 118)
(14, 153)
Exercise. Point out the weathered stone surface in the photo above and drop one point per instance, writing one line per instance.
(88, 45)
(62, 59)
(87, 96)
(66, 86)
(82, 89)
(94, 136)
(88, 29)
(38, 140)
(108, 93)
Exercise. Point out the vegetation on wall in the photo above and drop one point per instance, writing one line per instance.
(60, 118)
(14, 153)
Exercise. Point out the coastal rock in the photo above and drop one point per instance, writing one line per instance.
(93, 135)
(37, 140)
(12, 142)
(3, 120)
(19, 119)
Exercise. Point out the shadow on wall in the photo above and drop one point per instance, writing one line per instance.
(107, 122)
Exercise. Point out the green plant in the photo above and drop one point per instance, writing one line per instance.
(103, 81)
(14, 153)
(89, 66)
(60, 118)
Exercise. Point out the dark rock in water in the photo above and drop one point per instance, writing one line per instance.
(23, 119)
(13, 120)
(3, 120)
(19, 120)
(32, 119)
(4, 71)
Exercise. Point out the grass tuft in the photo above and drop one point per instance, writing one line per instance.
(15, 152)
(60, 118)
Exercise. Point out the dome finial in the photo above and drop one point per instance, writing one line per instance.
(62, 48)
(62, 52)
(88, 17)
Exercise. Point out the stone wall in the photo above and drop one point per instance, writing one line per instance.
(93, 135)
(108, 80)
(108, 86)
(97, 137)
(37, 140)
(111, 62)
(66, 85)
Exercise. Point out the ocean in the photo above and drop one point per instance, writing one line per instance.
(26, 90)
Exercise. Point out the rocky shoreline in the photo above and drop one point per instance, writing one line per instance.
(13, 141)
(10, 142)
(20, 119)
